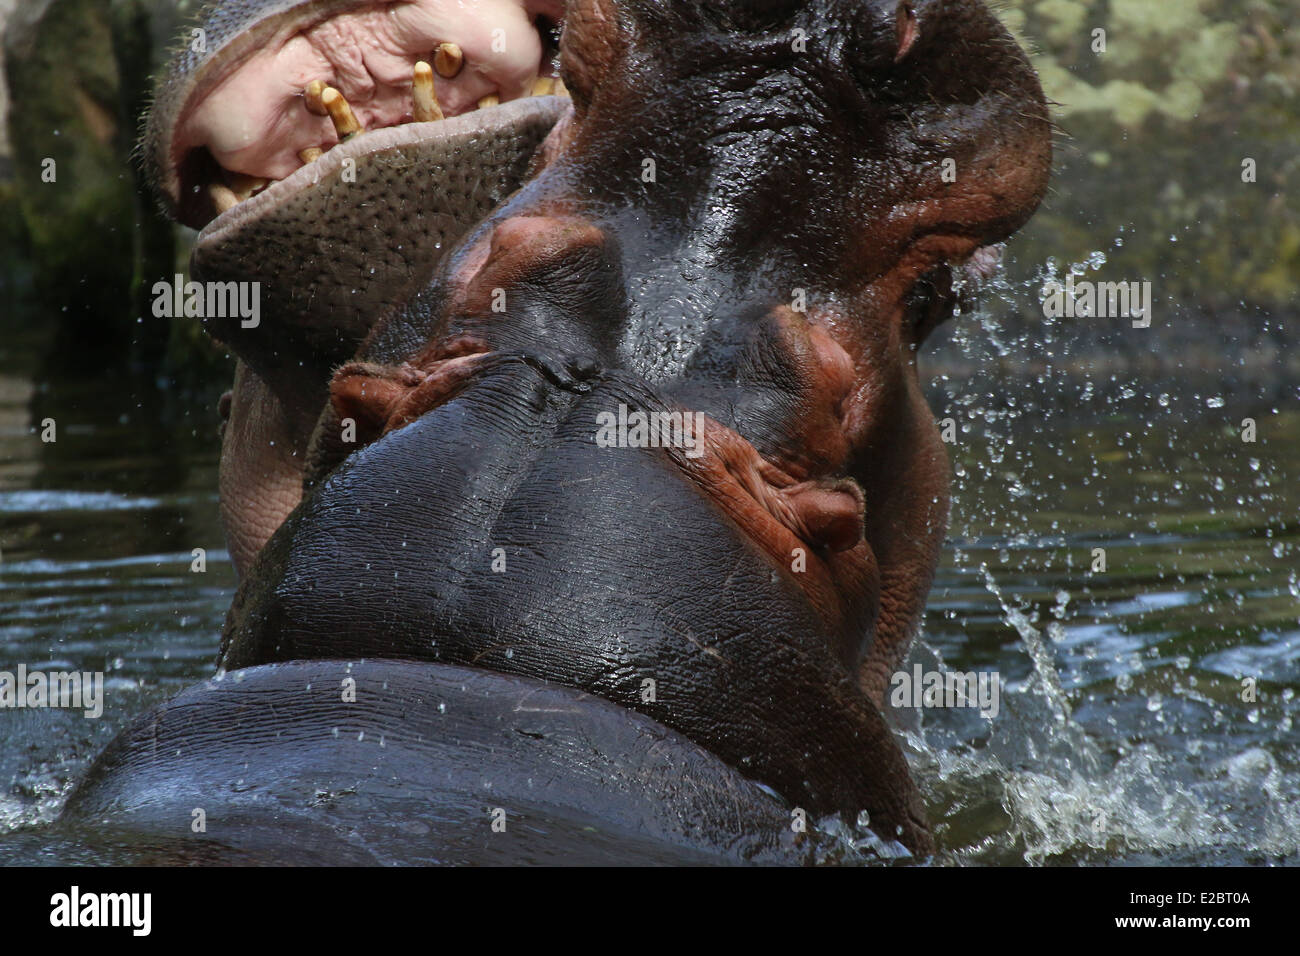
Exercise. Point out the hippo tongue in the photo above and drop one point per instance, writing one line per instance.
(345, 239)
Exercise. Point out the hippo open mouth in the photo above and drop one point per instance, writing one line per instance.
(618, 392)
(265, 90)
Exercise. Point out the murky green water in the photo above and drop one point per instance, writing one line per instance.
(1126, 729)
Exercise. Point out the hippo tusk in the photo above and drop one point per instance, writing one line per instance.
(448, 60)
(311, 94)
(340, 113)
(426, 99)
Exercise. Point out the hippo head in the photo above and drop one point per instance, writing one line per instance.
(634, 410)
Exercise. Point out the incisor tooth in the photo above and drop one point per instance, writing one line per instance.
(223, 197)
(311, 154)
(341, 115)
(491, 99)
(543, 86)
(426, 100)
(448, 60)
(311, 95)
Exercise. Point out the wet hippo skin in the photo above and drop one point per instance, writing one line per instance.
(748, 216)
(412, 772)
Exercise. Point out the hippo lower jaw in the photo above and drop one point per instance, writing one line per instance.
(413, 143)
(340, 243)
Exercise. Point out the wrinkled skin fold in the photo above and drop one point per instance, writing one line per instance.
(746, 217)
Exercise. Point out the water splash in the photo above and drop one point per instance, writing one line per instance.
(1128, 565)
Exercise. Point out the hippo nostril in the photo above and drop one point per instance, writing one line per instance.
(831, 516)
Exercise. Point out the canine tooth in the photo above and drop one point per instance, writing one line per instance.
(448, 60)
(223, 197)
(543, 86)
(491, 99)
(311, 154)
(341, 115)
(426, 99)
(311, 95)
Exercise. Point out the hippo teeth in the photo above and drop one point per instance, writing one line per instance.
(321, 99)
(426, 109)
(340, 113)
(241, 106)
(448, 60)
(311, 97)
(236, 188)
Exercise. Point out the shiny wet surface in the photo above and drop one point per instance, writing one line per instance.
(1126, 730)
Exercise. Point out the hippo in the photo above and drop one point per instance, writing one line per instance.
(576, 474)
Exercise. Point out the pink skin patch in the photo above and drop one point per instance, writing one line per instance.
(255, 122)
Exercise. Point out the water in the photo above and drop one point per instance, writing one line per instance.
(1125, 731)
(97, 531)
(1148, 710)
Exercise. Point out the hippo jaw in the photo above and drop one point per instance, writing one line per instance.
(772, 270)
